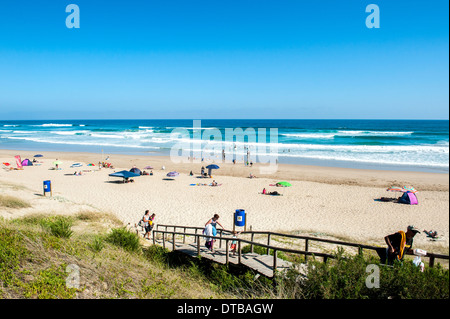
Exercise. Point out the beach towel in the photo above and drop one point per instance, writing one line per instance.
(18, 161)
(209, 231)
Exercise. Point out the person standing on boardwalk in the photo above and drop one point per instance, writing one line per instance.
(213, 222)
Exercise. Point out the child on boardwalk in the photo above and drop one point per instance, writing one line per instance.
(234, 242)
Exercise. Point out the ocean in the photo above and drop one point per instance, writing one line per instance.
(409, 145)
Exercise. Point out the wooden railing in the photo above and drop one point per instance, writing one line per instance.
(306, 252)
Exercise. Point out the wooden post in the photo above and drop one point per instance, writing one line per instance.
(268, 244)
(431, 261)
(173, 243)
(226, 252)
(195, 237)
(198, 246)
(251, 246)
(306, 248)
(184, 236)
(153, 237)
(234, 218)
(245, 224)
(274, 261)
(220, 240)
(239, 252)
(164, 240)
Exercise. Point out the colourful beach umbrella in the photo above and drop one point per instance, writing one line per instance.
(403, 189)
(172, 174)
(285, 184)
(57, 162)
(409, 189)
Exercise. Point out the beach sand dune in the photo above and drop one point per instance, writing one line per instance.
(342, 203)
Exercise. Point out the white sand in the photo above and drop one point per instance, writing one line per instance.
(337, 202)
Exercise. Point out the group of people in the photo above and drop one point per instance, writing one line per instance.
(398, 244)
(211, 231)
(105, 165)
(147, 222)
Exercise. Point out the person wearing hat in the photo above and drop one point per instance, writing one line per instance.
(398, 244)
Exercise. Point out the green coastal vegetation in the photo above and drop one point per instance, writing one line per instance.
(91, 255)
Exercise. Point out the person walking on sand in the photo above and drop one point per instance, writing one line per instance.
(148, 223)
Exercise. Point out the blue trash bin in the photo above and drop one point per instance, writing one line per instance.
(239, 217)
(47, 187)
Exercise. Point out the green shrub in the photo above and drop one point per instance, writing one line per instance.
(345, 278)
(58, 226)
(124, 238)
(97, 244)
(12, 252)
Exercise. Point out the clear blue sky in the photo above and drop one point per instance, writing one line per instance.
(224, 59)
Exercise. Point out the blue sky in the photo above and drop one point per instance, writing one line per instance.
(224, 59)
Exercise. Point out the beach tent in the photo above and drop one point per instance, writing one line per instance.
(409, 198)
(27, 162)
(135, 170)
(38, 155)
(124, 174)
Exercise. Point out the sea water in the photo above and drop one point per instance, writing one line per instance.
(415, 145)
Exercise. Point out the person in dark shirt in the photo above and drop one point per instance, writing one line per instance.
(398, 244)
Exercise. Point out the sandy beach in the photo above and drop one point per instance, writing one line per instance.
(335, 202)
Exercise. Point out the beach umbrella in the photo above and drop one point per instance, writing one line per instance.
(403, 189)
(172, 174)
(90, 164)
(6, 164)
(38, 155)
(124, 174)
(211, 167)
(409, 189)
(76, 165)
(285, 184)
(57, 163)
(148, 167)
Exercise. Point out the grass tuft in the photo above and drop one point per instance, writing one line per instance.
(13, 202)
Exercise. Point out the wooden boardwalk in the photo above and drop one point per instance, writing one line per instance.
(190, 240)
(262, 264)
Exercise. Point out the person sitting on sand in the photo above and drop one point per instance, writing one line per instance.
(191, 174)
(214, 183)
(264, 191)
